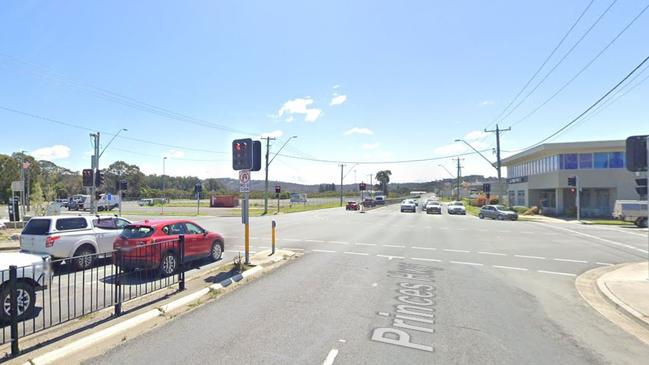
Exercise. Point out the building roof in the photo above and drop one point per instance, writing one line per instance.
(549, 149)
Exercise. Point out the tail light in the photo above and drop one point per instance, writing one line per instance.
(49, 241)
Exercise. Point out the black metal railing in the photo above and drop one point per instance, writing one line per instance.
(46, 294)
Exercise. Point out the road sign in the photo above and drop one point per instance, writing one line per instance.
(17, 186)
(109, 197)
(244, 181)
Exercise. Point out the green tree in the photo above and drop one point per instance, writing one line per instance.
(9, 171)
(383, 177)
(37, 199)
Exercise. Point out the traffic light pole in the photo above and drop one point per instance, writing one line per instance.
(341, 184)
(578, 193)
(647, 219)
(95, 168)
(268, 139)
(498, 164)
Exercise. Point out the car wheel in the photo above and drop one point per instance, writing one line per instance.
(25, 301)
(216, 252)
(168, 264)
(500, 217)
(481, 216)
(84, 257)
(641, 222)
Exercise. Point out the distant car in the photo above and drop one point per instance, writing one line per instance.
(497, 212)
(63, 202)
(369, 203)
(155, 245)
(352, 205)
(64, 237)
(145, 202)
(33, 274)
(631, 211)
(456, 207)
(408, 205)
(433, 207)
(79, 202)
(379, 200)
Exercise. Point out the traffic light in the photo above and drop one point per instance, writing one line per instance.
(642, 186)
(86, 177)
(362, 187)
(278, 189)
(123, 185)
(572, 181)
(486, 187)
(256, 156)
(198, 188)
(242, 154)
(636, 153)
(99, 180)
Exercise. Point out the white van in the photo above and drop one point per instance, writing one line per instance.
(631, 211)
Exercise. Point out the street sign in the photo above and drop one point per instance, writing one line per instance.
(244, 181)
(109, 197)
(17, 186)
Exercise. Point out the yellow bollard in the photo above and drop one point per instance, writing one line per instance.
(274, 236)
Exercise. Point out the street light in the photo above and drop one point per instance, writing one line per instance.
(495, 166)
(476, 151)
(164, 197)
(268, 164)
(109, 142)
(447, 170)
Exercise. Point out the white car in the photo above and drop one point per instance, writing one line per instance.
(456, 207)
(64, 237)
(33, 273)
(408, 206)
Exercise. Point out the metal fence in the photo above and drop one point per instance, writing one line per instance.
(43, 295)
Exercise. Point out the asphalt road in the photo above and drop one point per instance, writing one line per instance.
(387, 287)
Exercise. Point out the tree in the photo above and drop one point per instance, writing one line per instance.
(9, 171)
(120, 170)
(383, 177)
(36, 198)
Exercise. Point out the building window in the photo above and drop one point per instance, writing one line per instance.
(570, 161)
(601, 160)
(616, 160)
(585, 160)
(520, 198)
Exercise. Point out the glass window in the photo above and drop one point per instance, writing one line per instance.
(616, 160)
(66, 224)
(121, 223)
(601, 160)
(38, 227)
(137, 232)
(585, 160)
(105, 223)
(570, 161)
(561, 162)
(193, 229)
(174, 229)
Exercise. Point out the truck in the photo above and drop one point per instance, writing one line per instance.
(105, 202)
(631, 211)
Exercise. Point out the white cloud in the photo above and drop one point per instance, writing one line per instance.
(336, 87)
(338, 99)
(371, 146)
(357, 130)
(299, 106)
(475, 135)
(486, 103)
(273, 134)
(56, 152)
(174, 154)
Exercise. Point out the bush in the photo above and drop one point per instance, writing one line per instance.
(479, 201)
(494, 201)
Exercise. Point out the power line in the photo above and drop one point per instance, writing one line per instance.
(582, 69)
(572, 27)
(592, 106)
(380, 162)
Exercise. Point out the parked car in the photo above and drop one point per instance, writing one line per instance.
(433, 207)
(456, 207)
(352, 205)
(408, 205)
(33, 274)
(380, 200)
(64, 237)
(62, 202)
(155, 245)
(145, 202)
(631, 211)
(79, 202)
(108, 202)
(497, 212)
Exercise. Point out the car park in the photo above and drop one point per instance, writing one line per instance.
(32, 275)
(456, 207)
(352, 205)
(77, 238)
(498, 212)
(408, 205)
(433, 207)
(155, 245)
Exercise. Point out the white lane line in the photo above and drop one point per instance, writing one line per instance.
(600, 239)
(316, 241)
(338, 242)
(451, 250)
(556, 273)
(326, 251)
(395, 246)
(294, 249)
(466, 263)
(603, 264)
(570, 260)
(424, 248)
(530, 257)
(423, 259)
(510, 268)
(364, 244)
(391, 257)
(356, 253)
(492, 253)
(331, 357)
(503, 231)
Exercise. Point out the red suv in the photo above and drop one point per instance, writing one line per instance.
(155, 245)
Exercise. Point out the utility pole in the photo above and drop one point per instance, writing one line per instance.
(498, 165)
(342, 166)
(95, 168)
(459, 174)
(268, 139)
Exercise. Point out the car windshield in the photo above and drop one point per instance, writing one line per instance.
(133, 231)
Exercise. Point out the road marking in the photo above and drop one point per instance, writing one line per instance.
(423, 259)
(424, 248)
(570, 260)
(365, 244)
(504, 231)
(391, 257)
(530, 257)
(603, 264)
(395, 246)
(294, 249)
(600, 239)
(339, 242)
(492, 253)
(556, 273)
(326, 251)
(356, 253)
(451, 250)
(331, 357)
(510, 268)
(316, 241)
(466, 263)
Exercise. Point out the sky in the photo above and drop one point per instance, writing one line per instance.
(355, 81)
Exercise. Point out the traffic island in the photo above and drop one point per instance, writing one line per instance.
(85, 338)
(621, 294)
